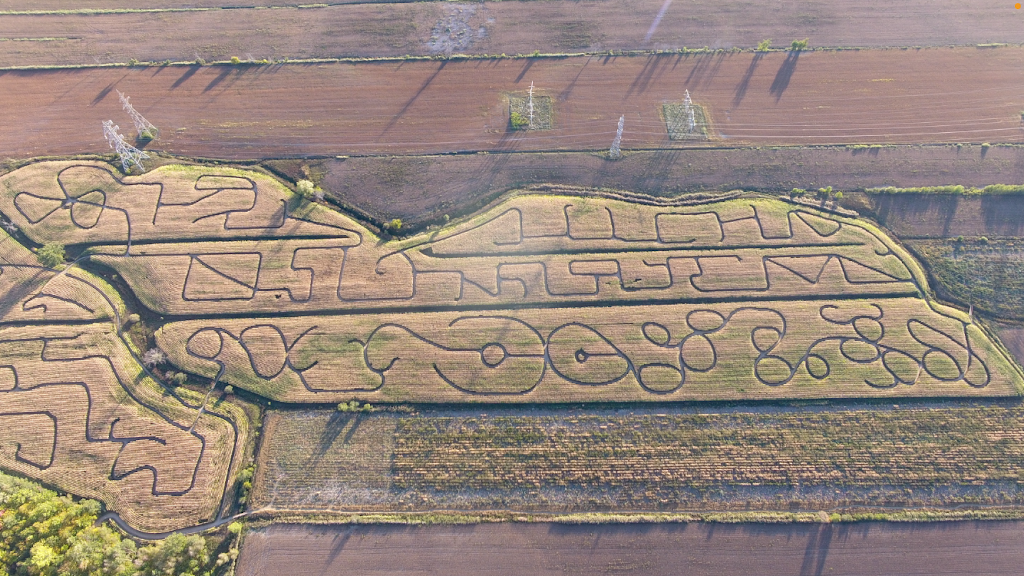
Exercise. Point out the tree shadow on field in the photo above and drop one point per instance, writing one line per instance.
(336, 424)
(405, 108)
(741, 88)
(188, 74)
(817, 551)
(784, 74)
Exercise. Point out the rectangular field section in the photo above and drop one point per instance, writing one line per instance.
(667, 459)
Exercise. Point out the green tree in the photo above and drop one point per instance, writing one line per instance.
(799, 45)
(51, 255)
(176, 555)
(764, 45)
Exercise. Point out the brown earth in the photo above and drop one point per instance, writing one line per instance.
(1013, 338)
(950, 215)
(421, 188)
(977, 548)
(396, 29)
(239, 112)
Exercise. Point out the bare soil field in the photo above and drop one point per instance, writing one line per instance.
(868, 549)
(950, 215)
(666, 458)
(422, 188)
(394, 29)
(255, 112)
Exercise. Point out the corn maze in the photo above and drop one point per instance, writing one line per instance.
(546, 297)
(550, 296)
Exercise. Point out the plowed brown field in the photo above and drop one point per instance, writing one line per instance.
(887, 96)
(395, 29)
(868, 549)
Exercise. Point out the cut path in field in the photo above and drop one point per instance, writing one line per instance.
(369, 28)
(884, 96)
(977, 548)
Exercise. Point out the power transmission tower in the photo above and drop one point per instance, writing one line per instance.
(530, 105)
(130, 155)
(615, 152)
(688, 110)
(144, 127)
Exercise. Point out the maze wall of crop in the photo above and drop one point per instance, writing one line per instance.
(560, 296)
(76, 412)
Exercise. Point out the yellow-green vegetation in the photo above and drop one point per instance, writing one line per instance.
(580, 461)
(46, 534)
(519, 112)
(986, 274)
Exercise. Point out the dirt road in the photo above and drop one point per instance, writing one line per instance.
(976, 548)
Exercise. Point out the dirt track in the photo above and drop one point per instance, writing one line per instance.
(238, 112)
(395, 29)
(976, 548)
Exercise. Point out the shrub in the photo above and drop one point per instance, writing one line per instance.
(395, 225)
(764, 45)
(519, 122)
(236, 60)
(797, 192)
(133, 62)
(133, 319)
(200, 62)
(799, 45)
(229, 389)
(839, 195)
(179, 378)
(51, 255)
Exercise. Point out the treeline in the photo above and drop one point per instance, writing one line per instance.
(44, 533)
(958, 190)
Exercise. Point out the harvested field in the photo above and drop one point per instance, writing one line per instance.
(256, 112)
(398, 29)
(79, 414)
(765, 350)
(423, 188)
(986, 274)
(575, 460)
(863, 549)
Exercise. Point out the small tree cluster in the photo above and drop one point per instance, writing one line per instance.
(308, 190)
(764, 45)
(799, 45)
(51, 255)
(46, 534)
(353, 406)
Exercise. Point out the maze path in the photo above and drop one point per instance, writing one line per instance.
(845, 348)
(30, 292)
(531, 249)
(86, 203)
(77, 412)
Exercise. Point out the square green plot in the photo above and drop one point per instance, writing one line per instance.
(519, 113)
(677, 121)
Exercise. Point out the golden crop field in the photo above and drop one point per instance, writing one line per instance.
(78, 413)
